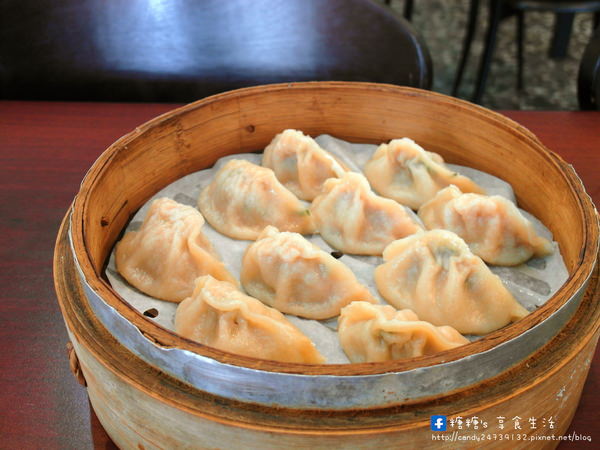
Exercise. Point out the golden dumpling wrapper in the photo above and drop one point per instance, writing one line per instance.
(289, 273)
(244, 198)
(492, 226)
(404, 171)
(220, 316)
(166, 255)
(379, 333)
(300, 164)
(436, 275)
(352, 218)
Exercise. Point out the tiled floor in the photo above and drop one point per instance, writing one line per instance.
(549, 84)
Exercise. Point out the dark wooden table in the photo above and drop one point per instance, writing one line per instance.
(45, 150)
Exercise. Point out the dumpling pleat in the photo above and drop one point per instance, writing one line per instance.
(453, 286)
(287, 272)
(378, 333)
(169, 251)
(492, 226)
(220, 316)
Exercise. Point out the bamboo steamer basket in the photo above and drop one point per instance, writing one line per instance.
(151, 388)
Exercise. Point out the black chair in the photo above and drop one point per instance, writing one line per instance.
(588, 81)
(408, 8)
(182, 50)
(500, 9)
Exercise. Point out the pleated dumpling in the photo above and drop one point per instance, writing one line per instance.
(220, 316)
(492, 226)
(289, 273)
(300, 164)
(353, 219)
(378, 333)
(244, 198)
(407, 173)
(168, 252)
(436, 275)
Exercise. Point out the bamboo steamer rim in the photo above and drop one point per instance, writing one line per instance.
(135, 372)
(166, 338)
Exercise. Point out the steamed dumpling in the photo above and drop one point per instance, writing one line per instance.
(353, 219)
(287, 272)
(492, 226)
(220, 316)
(243, 198)
(378, 333)
(300, 164)
(168, 252)
(436, 275)
(407, 173)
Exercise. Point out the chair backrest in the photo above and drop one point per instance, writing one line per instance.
(588, 81)
(557, 6)
(181, 50)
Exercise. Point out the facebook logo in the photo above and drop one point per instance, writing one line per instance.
(438, 423)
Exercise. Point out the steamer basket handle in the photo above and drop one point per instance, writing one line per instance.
(74, 365)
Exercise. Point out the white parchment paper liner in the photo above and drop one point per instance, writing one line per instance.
(532, 283)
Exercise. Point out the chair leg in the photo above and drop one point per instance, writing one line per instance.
(496, 9)
(520, 45)
(408, 9)
(466, 49)
(563, 26)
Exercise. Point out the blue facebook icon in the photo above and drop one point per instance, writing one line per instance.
(438, 423)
